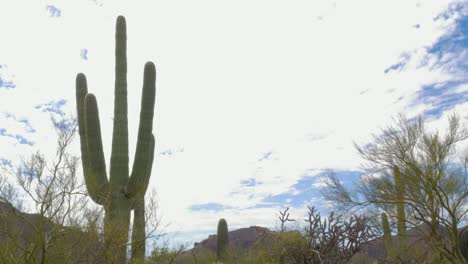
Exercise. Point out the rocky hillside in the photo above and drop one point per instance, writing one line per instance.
(23, 235)
(245, 240)
(418, 240)
(241, 242)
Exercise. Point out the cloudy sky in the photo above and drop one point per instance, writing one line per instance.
(254, 98)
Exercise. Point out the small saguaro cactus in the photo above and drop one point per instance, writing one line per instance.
(122, 191)
(388, 238)
(401, 216)
(222, 240)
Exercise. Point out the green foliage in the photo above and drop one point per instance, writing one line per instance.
(166, 255)
(362, 260)
(222, 240)
(123, 191)
(289, 247)
(205, 256)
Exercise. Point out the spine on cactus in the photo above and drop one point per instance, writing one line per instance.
(401, 218)
(388, 238)
(122, 191)
(222, 240)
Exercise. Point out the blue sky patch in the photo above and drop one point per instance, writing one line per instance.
(19, 138)
(216, 207)
(54, 106)
(25, 171)
(167, 152)
(171, 151)
(348, 177)
(23, 121)
(307, 190)
(249, 182)
(84, 54)
(404, 59)
(64, 123)
(451, 55)
(441, 97)
(24, 141)
(454, 42)
(396, 67)
(5, 82)
(53, 11)
(265, 156)
(29, 128)
(5, 162)
(285, 199)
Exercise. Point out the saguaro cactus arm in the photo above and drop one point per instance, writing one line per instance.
(96, 180)
(119, 156)
(95, 151)
(139, 231)
(138, 183)
(145, 145)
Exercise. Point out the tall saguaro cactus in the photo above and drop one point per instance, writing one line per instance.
(121, 191)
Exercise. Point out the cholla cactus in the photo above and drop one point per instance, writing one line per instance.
(122, 191)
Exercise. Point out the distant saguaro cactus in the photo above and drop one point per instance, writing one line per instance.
(222, 240)
(388, 238)
(401, 216)
(123, 191)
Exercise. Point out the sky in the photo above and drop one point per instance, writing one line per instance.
(254, 99)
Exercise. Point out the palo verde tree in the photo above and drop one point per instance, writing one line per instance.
(122, 191)
(56, 231)
(415, 171)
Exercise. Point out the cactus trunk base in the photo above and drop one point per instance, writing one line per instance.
(116, 228)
